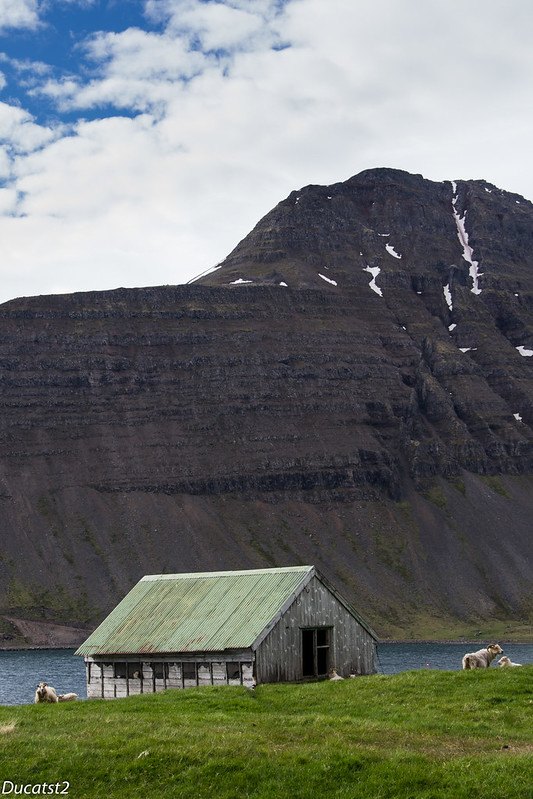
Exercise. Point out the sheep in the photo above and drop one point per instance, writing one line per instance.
(45, 693)
(505, 661)
(333, 675)
(482, 658)
(67, 697)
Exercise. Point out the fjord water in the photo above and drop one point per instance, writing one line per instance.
(22, 670)
(393, 658)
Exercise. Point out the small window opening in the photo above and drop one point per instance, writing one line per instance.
(120, 670)
(233, 670)
(134, 671)
(189, 671)
(160, 670)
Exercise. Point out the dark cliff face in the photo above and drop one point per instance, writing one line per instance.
(438, 278)
(350, 388)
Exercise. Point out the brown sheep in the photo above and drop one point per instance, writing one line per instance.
(45, 693)
(482, 658)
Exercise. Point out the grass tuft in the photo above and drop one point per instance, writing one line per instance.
(5, 729)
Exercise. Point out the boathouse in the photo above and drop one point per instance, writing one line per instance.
(232, 627)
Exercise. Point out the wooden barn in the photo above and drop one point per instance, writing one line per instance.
(232, 627)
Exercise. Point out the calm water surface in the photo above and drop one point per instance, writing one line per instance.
(393, 658)
(20, 671)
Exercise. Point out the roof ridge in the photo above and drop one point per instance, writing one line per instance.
(229, 573)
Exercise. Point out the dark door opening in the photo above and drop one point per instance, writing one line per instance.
(315, 652)
(308, 653)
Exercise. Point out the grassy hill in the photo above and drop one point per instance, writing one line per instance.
(425, 734)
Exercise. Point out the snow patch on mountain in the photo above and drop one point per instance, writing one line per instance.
(468, 252)
(374, 271)
(328, 280)
(390, 249)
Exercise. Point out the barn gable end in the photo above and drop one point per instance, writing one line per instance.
(317, 632)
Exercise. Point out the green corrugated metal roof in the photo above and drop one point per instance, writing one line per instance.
(199, 612)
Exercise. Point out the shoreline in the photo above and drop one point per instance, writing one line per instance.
(508, 641)
(384, 642)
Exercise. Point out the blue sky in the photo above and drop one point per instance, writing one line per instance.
(140, 140)
(50, 40)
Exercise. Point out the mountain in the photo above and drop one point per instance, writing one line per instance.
(352, 388)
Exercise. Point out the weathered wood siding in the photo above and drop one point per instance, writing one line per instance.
(171, 672)
(352, 648)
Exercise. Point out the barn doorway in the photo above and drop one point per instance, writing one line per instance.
(315, 651)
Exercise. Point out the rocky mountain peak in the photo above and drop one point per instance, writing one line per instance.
(386, 219)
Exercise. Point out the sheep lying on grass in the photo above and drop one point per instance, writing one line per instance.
(482, 658)
(67, 697)
(505, 661)
(45, 693)
(334, 675)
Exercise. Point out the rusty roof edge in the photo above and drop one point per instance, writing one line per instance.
(170, 655)
(347, 605)
(310, 571)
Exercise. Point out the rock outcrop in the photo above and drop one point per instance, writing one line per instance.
(352, 387)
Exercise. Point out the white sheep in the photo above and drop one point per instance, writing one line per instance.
(334, 675)
(505, 661)
(482, 658)
(67, 697)
(45, 693)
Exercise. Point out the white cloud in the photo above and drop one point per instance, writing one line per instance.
(143, 70)
(135, 70)
(229, 123)
(19, 131)
(104, 163)
(217, 26)
(19, 14)
(140, 54)
(30, 72)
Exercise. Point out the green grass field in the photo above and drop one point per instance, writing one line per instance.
(420, 734)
